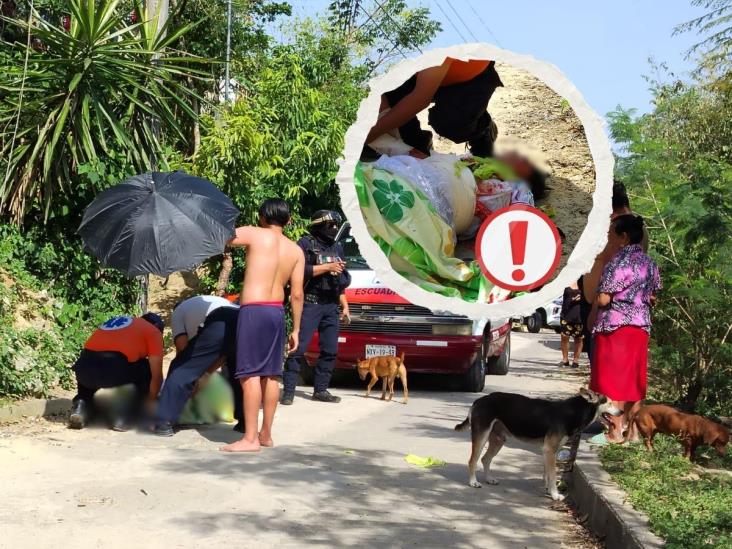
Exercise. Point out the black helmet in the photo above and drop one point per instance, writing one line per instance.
(324, 225)
(325, 216)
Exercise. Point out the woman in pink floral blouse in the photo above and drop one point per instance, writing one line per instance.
(626, 293)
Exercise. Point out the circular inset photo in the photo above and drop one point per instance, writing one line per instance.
(444, 144)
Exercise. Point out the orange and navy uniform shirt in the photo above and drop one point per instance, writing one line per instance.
(133, 337)
(463, 71)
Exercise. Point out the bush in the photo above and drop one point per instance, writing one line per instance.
(677, 167)
(52, 295)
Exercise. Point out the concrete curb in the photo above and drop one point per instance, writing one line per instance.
(610, 517)
(37, 407)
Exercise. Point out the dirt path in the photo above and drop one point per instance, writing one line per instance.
(337, 477)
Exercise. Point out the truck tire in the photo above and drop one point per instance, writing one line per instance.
(534, 323)
(474, 378)
(498, 365)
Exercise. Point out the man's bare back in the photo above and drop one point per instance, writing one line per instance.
(271, 261)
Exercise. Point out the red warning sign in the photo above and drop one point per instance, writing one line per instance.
(518, 248)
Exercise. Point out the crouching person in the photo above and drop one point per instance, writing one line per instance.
(124, 350)
(214, 342)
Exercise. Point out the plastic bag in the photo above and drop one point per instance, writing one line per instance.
(460, 188)
(424, 176)
(213, 403)
(390, 145)
(425, 462)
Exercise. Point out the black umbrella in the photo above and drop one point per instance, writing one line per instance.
(158, 223)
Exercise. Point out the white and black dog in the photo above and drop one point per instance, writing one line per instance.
(547, 423)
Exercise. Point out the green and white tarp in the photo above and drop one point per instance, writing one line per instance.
(420, 245)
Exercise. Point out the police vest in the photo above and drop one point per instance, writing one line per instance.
(326, 287)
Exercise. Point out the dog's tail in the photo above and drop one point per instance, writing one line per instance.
(401, 358)
(465, 424)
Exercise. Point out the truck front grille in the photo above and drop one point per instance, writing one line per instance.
(388, 318)
(389, 309)
(388, 328)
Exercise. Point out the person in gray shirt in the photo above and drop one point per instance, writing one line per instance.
(190, 314)
(198, 354)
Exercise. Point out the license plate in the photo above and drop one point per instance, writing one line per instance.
(380, 350)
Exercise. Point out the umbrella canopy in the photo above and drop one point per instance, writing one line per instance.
(158, 223)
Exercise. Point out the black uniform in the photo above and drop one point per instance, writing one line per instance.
(216, 338)
(320, 312)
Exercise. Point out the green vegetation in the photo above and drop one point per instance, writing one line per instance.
(678, 163)
(687, 506)
(97, 89)
(715, 26)
(52, 294)
(87, 104)
(678, 167)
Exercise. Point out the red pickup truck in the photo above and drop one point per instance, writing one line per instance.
(384, 323)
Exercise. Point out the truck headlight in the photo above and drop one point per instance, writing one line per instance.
(452, 329)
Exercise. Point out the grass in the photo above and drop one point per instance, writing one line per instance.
(687, 506)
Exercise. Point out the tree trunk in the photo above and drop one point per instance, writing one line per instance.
(144, 295)
(694, 390)
(196, 128)
(226, 265)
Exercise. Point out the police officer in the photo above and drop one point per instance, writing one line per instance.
(326, 280)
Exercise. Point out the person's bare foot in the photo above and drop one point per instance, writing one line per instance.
(267, 442)
(242, 445)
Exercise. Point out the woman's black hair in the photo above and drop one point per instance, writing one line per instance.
(620, 196)
(537, 183)
(275, 211)
(629, 224)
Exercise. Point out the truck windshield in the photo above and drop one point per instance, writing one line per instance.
(354, 261)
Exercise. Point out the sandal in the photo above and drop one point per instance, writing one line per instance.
(564, 364)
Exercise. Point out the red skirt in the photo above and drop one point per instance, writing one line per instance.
(620, 362)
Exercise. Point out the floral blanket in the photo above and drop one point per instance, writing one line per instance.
(418, 242)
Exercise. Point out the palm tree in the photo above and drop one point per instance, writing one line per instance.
(104, 87)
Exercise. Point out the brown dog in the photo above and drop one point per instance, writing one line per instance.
(387, 368)
(692, 430)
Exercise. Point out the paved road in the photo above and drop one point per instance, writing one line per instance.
(336, 478)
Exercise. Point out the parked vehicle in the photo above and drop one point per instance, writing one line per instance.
(546, 316)
(384, 323)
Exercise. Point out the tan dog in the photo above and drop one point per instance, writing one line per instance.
(692, 430)
(387, 368)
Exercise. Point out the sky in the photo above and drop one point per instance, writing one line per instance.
(603, 47)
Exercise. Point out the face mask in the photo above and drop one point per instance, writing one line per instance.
(327, 233)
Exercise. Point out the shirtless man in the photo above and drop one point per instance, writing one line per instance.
(273, 261)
